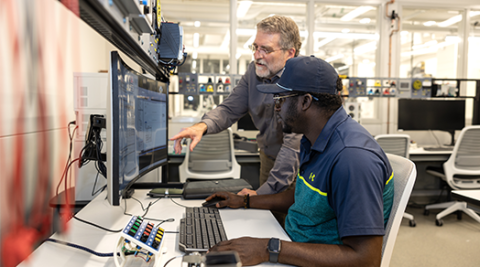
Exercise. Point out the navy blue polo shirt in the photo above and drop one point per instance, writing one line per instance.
(344, 185)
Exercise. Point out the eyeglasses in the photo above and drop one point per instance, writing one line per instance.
(262, 50)
(280, 99)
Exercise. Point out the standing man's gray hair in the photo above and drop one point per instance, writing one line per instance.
(286, 27)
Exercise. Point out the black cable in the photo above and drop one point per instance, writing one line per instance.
(99, 254)
(176, 257)
(98, 226)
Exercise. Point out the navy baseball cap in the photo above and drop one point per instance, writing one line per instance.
(304, 74)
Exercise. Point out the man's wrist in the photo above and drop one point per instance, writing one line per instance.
(202, 126)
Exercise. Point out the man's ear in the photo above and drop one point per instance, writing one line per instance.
(307, 101)
(291, 53)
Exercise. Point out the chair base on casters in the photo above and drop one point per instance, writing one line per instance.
(451, 207)
(411, 219)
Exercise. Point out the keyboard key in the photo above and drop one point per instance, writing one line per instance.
(201, 229)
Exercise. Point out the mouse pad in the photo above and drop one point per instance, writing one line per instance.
(203, 189)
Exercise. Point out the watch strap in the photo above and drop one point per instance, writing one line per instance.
(274, 249)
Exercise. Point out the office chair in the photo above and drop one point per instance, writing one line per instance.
(397, 144)
(461, 172)
(212, 158)
(405, 174)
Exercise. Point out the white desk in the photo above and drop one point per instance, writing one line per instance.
(420, 154)
(472, 197)
(237, 223)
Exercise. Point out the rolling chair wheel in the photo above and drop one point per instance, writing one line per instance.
(426, 212)
(438, 222)
(412, 223)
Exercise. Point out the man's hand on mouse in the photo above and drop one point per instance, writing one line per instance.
(231, 200)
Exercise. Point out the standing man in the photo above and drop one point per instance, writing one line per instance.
(277, 40)
(344, 191)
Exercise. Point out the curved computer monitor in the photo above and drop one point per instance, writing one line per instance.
(431, 114)
(136, 127)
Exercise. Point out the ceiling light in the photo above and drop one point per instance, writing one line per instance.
(330, 59)
(249, 42)
(450, 21)
(356, 12)
(324, 42)
(456, 19)
(243, 8)
(362, 49)
(366, 36)
(194, 54)
(196, 39)
(346, 30)
(365, 20)
(226, 40)
(343, 68)
(196, 24)
(194, 64)
(429, 23)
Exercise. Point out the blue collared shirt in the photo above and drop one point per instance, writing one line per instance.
(344, 185)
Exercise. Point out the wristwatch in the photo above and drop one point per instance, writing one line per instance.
(274, 246)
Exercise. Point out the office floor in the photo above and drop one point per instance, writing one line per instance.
(456, 243)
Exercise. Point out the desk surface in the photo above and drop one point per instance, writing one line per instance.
(420, 154)
(237, 223)
(472, 197)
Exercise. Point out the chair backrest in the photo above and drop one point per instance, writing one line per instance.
(397, 144)
(212, 158)
(405, 174)
(462, 169)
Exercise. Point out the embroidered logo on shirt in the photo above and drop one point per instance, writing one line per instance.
(311, 177)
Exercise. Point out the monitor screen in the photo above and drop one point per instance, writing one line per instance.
(420, 114)
(136, 126)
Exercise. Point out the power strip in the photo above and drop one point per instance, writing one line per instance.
(139, 237)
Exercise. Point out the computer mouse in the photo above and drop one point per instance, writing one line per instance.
(212, 202)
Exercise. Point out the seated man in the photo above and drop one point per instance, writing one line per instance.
(344, 194)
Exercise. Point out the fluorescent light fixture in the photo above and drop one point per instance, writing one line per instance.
(456, 19)
(429, 23)
(194, 54)
(194, 64)
(365, 20)
(238, 55)
(330, 59)
(366, 36)
(196, 39)
(324, 42)
(345, 30)
(449, 40)
(243, 8)
(342, 68)
(450, 21)
(365, 48)
(356, 12)
(197, 24)
(403, 33)
(249, 42)
(226, 40)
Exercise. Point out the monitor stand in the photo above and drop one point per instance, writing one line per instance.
(452, 134)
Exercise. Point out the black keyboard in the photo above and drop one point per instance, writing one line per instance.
(201, 229)
(445, 148)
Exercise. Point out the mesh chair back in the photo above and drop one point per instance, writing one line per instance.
(397, 144)
(212, 153)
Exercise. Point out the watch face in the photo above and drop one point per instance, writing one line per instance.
(274, 245)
